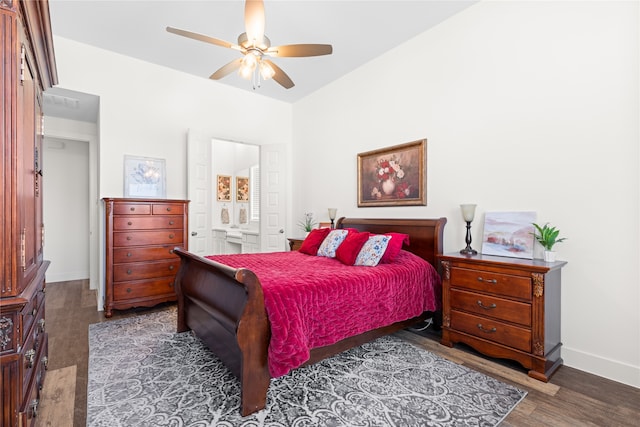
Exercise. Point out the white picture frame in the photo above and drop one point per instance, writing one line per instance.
(144, 177)
(508, 234)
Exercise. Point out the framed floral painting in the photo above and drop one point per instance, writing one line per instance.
(393, 176)
(223, 189)
(242, 189)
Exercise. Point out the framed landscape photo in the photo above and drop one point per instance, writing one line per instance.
(144, 177)
(223, 188)
(508, 234)
(393, 176)
(242, 189)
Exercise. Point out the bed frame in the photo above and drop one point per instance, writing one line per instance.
(224, 306)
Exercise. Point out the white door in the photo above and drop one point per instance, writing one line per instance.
(272, 192)
(199, 189)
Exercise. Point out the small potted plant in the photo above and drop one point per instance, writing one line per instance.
(307, 223)
(547, 236)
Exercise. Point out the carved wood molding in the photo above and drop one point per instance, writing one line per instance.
(538, 348)
(6, 327)
(538, 284)
(445, 266)
(446, 320)
(7, 4)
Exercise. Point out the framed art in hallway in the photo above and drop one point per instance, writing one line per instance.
(223, 188)
(393, 176)
(144, 177)
(242, 189)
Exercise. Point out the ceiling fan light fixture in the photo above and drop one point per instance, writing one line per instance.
(266, 70)
(249, 63)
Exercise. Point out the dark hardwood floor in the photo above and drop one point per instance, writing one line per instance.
(571, 398)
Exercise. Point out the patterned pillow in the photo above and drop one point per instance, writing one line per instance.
(331, 243)
(372, 251)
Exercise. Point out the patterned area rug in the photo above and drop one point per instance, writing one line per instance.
(142, 373)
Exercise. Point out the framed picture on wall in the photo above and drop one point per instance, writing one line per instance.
(144, 177)
(223, 188)
(393, 176)
(242, 189)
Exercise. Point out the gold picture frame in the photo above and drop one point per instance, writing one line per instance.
(223, 188)
(393, 176)
(242, 189)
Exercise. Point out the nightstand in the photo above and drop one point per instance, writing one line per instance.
(295, 242)
(504, 307)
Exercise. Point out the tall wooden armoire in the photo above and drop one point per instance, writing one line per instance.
(27, 68)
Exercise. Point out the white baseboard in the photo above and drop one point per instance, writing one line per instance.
(603, 367)
(67, 276)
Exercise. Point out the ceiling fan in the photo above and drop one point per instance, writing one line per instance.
(255, 46)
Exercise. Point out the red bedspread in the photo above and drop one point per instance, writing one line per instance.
(315, 301)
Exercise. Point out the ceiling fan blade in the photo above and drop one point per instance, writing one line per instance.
(203, 38)
(280, 76)
(298, 50)
(254, 21)
(226, 69)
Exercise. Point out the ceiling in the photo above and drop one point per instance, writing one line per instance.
(359, 31)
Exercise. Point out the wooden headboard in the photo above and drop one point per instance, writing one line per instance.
(425, 235)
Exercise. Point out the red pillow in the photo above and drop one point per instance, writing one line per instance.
(349, 249)
(394, 246)
(313, 241)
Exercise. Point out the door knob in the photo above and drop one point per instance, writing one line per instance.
(281, 231)
(194, 233)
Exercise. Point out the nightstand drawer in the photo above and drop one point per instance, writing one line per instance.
(492, 330)
(490, 282)
(498, 308)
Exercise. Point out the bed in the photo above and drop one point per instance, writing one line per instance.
(225, 305)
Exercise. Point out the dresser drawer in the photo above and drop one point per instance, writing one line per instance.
(147, 222)
(131, 209)
(32, 311)
(140, 238)
(168, 209)
(490, 282)
(30, 404)
(31, 352)
(143, 289)
(498, 308)
(493, 330)
(150, 253)
(145, 270)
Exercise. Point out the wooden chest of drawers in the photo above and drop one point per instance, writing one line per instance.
(140, 237)
(504, 307)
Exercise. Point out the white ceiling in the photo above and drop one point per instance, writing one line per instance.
(359, 31)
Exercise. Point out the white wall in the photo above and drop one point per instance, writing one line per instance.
(146, 110)
(526, 106)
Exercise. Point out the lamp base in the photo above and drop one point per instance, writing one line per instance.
(468, 251)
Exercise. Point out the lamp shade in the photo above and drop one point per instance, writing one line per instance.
(468, 212)
(332, 213)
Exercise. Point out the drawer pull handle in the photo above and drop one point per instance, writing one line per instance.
(34, 408)
(133, 209)
(34, 311)
(128, 290)
(171, 267)
(171, 236)
(480, 279)
(41, 325)
(486, 331)
(486, 307)
(171, 251)
(128, 254)
(170, 222)
(169, 209)
(128, 237)
(129, 223)
(129, 272)
(45, 362)
(30, 355)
